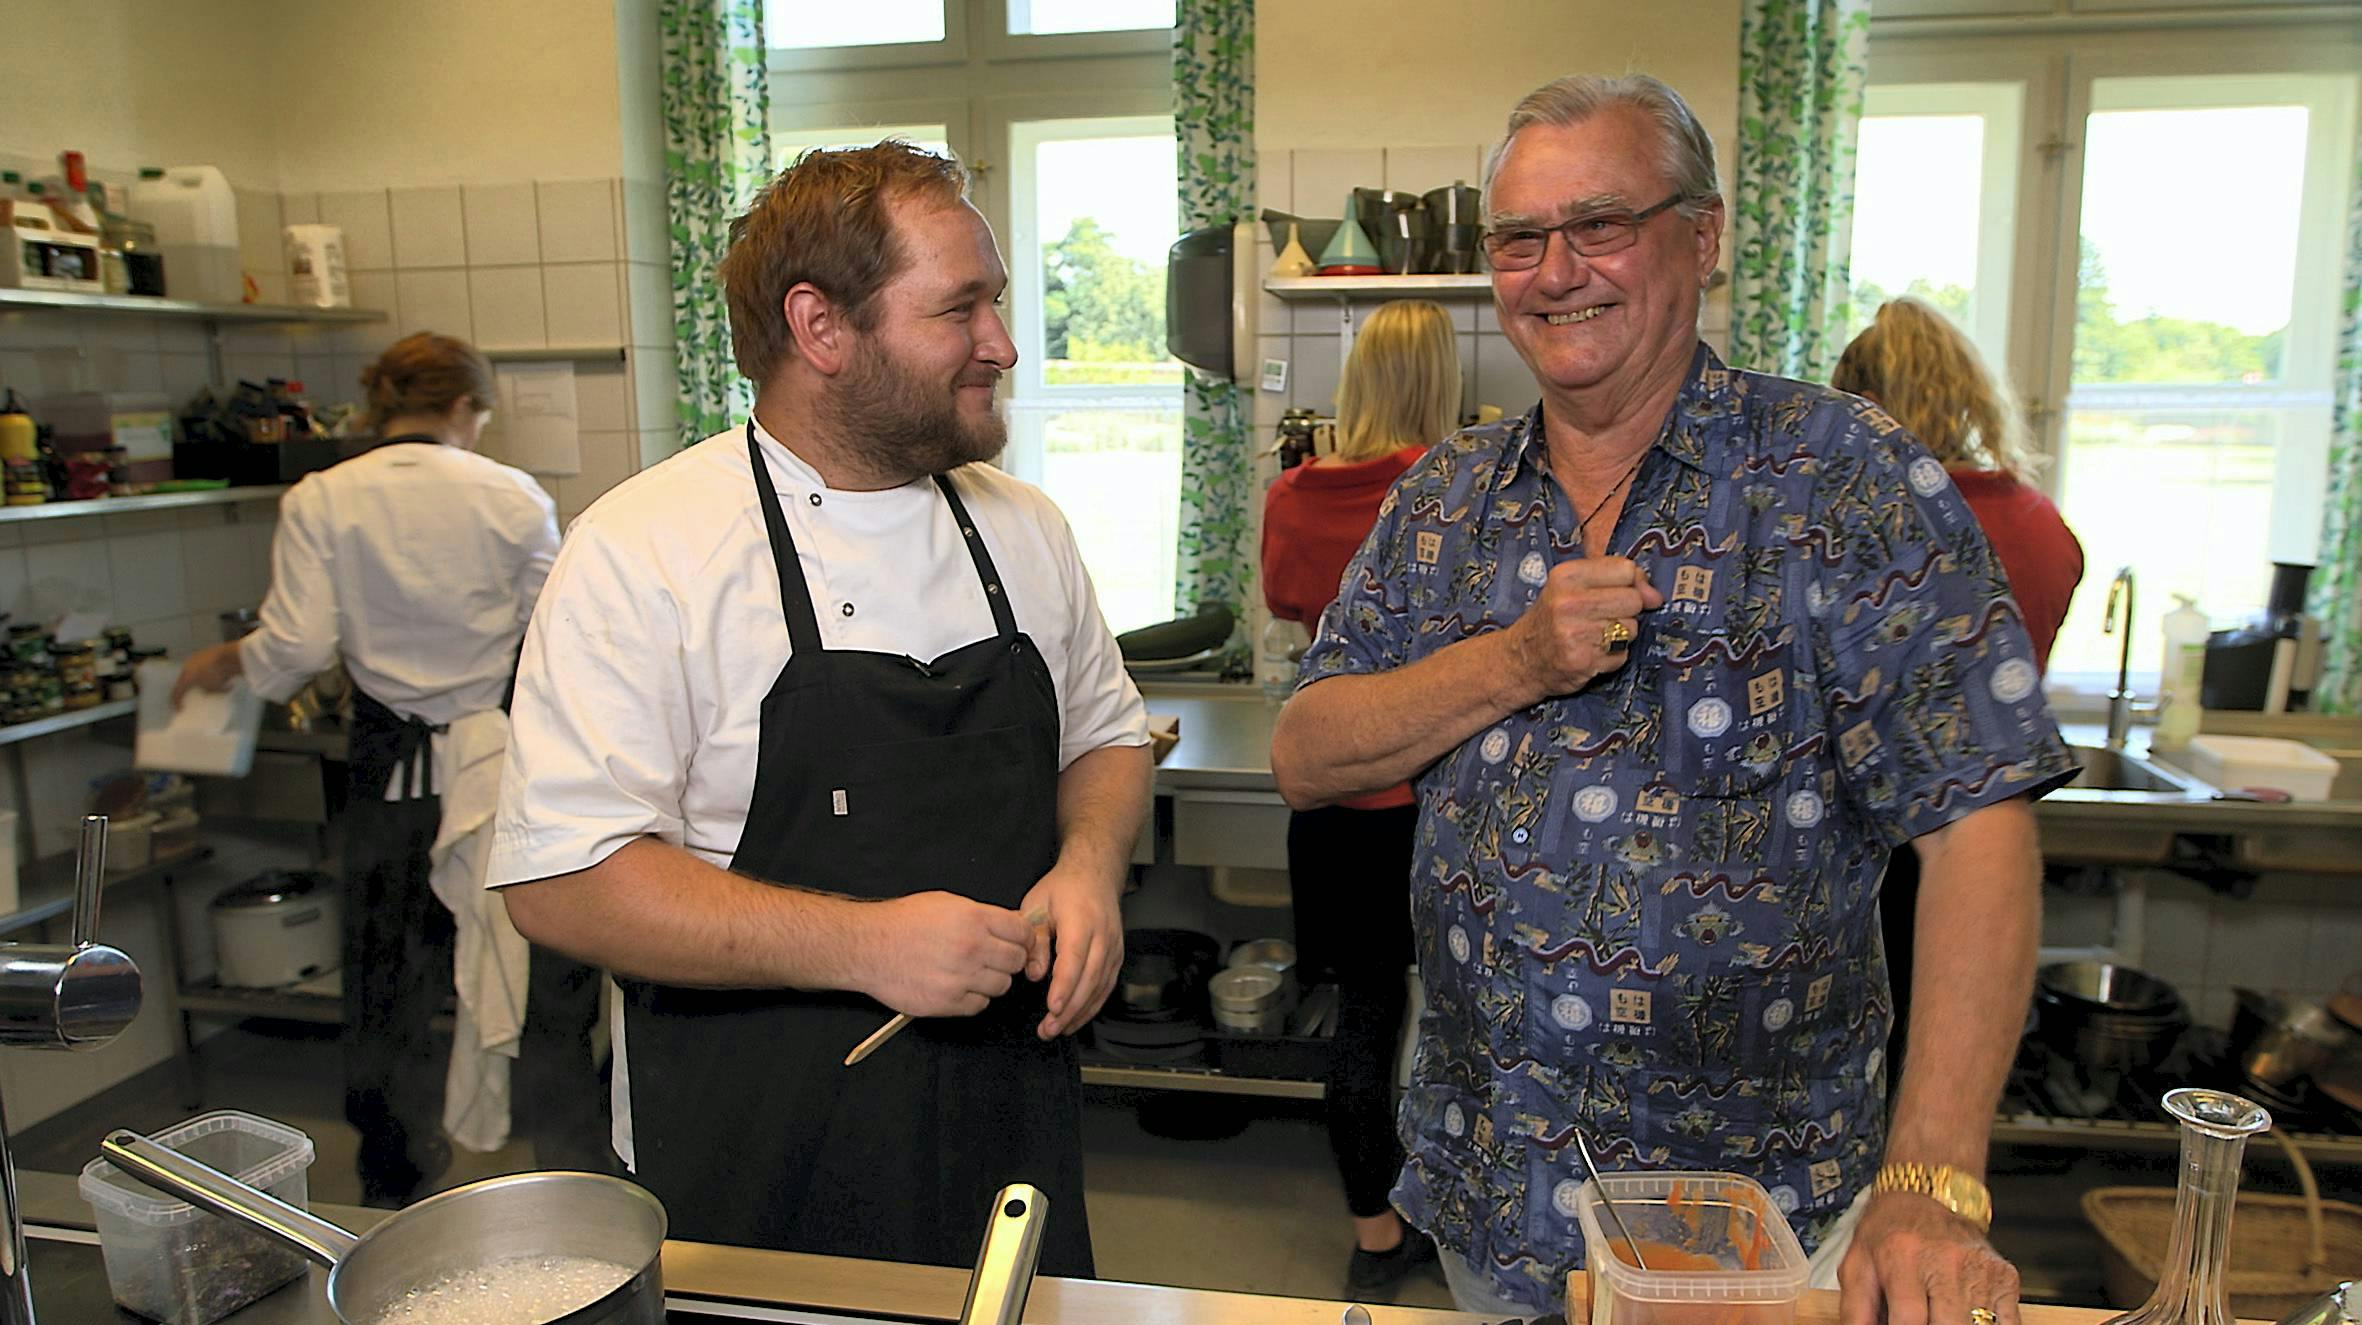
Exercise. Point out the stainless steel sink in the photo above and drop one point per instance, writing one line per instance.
(2115, 770)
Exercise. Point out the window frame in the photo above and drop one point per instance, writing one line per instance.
(952, 49)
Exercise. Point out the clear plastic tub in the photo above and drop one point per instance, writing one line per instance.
(172, 1262)
(1718, 1251)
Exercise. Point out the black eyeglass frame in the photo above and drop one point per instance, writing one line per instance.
(1626, 233)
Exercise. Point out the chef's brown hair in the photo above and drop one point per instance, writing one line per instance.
(1925, 372)
(828, 220)
(426, 374)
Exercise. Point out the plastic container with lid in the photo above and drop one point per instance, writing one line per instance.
(195, 214)
(1719, 1251)
(172, 1262)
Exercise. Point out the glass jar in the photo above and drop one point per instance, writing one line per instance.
(81, 697)
(77, 665)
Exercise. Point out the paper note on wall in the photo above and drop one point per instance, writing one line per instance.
(536, 421)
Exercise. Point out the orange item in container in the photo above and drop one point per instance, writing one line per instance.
(1718, 1251)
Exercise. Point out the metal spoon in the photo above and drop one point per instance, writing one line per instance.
(1583, 1148)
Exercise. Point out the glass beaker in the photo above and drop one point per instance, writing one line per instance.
(2190, 1284)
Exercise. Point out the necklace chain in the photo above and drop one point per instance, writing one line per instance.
(1583, 522)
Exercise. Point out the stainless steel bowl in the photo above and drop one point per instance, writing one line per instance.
(2105, 986)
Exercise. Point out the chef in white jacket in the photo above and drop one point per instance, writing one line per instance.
(416, 561)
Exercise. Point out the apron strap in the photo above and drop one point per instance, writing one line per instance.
(795, 600)
(996, 596)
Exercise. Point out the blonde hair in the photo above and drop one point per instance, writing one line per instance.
(1402, 381)
(1925, 371)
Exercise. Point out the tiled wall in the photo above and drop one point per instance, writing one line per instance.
(2297, 934)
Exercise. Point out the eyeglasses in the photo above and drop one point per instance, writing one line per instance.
(1594, 235)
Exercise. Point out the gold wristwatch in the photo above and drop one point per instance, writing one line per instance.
(1943, 1184)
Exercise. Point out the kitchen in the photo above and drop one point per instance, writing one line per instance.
(521, 204)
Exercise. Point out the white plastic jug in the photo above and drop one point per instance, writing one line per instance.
(208, 733)
(196, 218)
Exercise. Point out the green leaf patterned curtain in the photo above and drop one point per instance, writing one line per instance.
(1803, 73)
(717, 151)
(1214, 133)
(2337, 584)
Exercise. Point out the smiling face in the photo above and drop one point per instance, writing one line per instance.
(917, 392)
(1602, 331)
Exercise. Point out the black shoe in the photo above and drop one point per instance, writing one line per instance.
(394, 1176)
(1370, 1271)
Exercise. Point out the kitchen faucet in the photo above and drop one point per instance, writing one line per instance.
(2120, 699)
(78, 995)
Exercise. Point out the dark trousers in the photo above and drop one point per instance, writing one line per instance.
(1898, 912)
(1349, 877)
(397, 975)
(558, 1096)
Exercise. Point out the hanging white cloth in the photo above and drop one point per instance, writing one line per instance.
(489, 963)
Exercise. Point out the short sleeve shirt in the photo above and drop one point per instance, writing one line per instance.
(1649, 909)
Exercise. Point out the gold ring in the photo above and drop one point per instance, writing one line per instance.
(1983, 1316)
(1615, 637)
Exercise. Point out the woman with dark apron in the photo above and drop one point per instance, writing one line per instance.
(417, 562)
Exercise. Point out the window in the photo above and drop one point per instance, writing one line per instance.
(788, 144)
(1095, 409)
(813, 26)
(1034, 17)
(1935, 201)
(2155, 262)
(2203, 343)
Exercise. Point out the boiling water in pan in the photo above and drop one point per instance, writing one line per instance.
(522, 1290)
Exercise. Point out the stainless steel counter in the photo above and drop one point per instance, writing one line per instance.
(1225, 746)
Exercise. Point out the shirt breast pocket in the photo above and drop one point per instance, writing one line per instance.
(1731, 709)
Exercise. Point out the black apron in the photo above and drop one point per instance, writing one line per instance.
(878, 776)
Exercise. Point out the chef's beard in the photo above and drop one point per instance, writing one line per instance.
(901, 426)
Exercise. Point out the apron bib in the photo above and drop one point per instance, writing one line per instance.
(878, 776)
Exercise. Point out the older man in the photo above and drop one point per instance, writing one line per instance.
(1675, 659)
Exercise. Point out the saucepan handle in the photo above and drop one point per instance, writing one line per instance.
(208, 1188)
(1004, 1269)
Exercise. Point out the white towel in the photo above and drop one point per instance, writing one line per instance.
(489, 962)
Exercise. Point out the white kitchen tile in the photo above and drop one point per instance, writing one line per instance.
(578, 220)
(1324, 178)
(507, 308)
(171, 634)
(255, 368)
(217, 567)
(139, 522)
(259, 533)
(132, 373)
(1316, 317)
(2333, 948)
(435, 301)
(136, 334)
(270, 287)
(603, 397)
(430, 228)
(1468, 401)
(371, 289)
(1420, 169)
(174, 336)
(2253, 944)
(584, 302)
(67, 577)
(184, 375)
(368, 228)
(344, 381)
(12, 577)
(317, 372)
(46, 371)
(1501, 377)
(30, 330)
(299, 209)
(260, 249)
(608, 458)
(1312, 376)
(503, 225)
(658, 445)
(1275, 181)
(646, 232)
(654, 388)
(147, 575)
(649, 290)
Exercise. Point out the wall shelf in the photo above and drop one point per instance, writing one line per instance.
(63, 722)
(1379, 287)
(46, 888)
(157, 501)
(559, 354)
(149, 306)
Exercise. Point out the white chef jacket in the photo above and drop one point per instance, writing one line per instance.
(419, 563)
(639, 701)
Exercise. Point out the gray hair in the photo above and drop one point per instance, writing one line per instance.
(1686, 152)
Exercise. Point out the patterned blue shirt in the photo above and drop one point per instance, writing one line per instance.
(1650, 908)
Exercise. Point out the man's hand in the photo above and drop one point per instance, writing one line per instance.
(1085, 934)
(217, 668)
(1560, 645)
(1924, 1265)
(941, 955)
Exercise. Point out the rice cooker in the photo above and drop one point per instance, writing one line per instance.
(277, 929)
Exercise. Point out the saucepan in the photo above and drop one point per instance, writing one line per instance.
(561, 1248)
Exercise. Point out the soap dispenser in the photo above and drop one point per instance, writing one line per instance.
(2180, 673)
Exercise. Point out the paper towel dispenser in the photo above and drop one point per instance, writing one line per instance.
(1210, 300)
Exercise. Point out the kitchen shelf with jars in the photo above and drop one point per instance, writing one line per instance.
(142, 305)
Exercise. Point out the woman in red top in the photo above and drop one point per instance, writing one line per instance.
(1348, 865)
(1913, 363)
